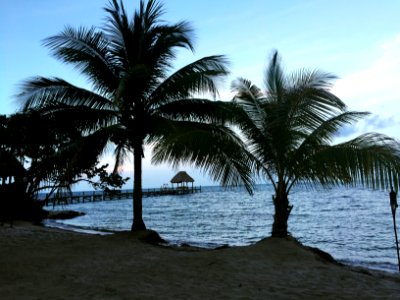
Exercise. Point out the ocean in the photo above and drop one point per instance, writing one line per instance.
(354, 225)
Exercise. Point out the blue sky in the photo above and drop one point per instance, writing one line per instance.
(359, 41)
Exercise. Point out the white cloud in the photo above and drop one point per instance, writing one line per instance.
(376, 88)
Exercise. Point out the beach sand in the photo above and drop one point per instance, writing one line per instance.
(47, 263)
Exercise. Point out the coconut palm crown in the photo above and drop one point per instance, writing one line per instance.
(136, 99)
(290, 128)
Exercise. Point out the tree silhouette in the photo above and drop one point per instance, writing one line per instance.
(289, 128)
(137, 100)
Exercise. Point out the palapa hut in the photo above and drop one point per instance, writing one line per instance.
(181, 179)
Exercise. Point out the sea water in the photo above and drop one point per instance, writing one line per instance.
(354, 225)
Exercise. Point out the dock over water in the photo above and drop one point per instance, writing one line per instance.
(97, 196)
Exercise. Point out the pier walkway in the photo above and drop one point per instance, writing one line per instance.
(97, 196)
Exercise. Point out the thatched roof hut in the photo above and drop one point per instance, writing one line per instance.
(182, 177)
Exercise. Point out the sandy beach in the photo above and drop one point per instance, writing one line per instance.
(46, 263)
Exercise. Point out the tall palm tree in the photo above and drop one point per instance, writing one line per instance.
(136, 99)
(290, 128)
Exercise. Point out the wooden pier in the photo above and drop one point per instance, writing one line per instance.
(97, 196)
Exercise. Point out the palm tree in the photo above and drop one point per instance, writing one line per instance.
(136, 100)
(290, 128)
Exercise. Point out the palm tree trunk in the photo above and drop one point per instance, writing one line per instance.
(282, 212)
(137, 223)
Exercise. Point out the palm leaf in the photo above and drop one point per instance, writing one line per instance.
(371, 160)
(195, 78)
(217, 151)
(41, 91)
(88, 50)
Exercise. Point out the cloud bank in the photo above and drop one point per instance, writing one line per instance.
(376, 89)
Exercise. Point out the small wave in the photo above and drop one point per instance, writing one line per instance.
(55, 224)
(380, 266)
(348, 223)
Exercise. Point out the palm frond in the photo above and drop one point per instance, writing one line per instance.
(117, 27)
(310, 143)
(41, 91)
(245, 91)
(212, 148)
(121, 153)
(274, 79)
(325, 133)
(315, 79)
(290, 128)
(250, 98)
(85, 119)
(152, 13)
(161, 44)
(195, 78)
(310, 107)
(88, 50)
(371, 160)
(72, 159)
(178, 35)
(200, 110)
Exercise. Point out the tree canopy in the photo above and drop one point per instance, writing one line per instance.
(290, 128)
(137, 98)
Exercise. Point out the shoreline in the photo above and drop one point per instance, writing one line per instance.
(48, 263)
(52, 223)
(334, 222)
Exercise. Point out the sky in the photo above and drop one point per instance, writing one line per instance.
(357, 40)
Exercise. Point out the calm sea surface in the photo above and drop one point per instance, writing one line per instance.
(353, 225)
